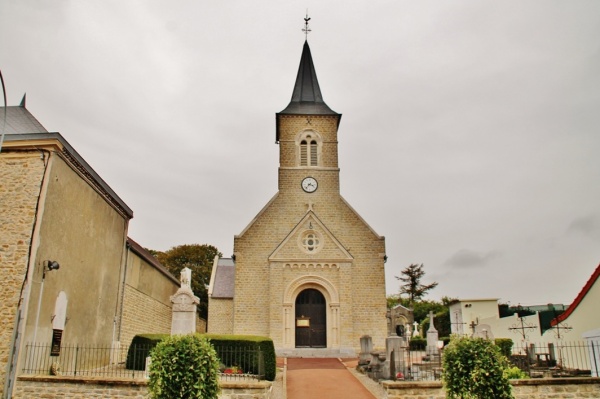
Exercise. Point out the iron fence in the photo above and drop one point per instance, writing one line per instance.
(558, 359)
(241, 362)
(84, 360)
(236, 363)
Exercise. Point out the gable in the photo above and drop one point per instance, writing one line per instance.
(310, 240)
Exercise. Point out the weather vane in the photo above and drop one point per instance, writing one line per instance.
(306, 29)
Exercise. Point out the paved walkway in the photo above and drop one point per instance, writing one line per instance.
(309, 378)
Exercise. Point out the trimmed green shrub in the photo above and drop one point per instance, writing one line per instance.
(250, 363)
(184, 367)
(474, 368)
(140, 348)
(417, 344)
(505, 345)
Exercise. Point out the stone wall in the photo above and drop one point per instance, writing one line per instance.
(90, 388)
(220, 316)
(556, 388)
(20, 182)
(143, 315)
(147, 297)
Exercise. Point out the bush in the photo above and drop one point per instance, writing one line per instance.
(417, 344)
(515, 373)
(140, 348)
(505, 345)
(185, 367)
(474, 368)
(238, 343)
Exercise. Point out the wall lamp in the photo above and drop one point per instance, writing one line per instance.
(52, 265)
(49, 265)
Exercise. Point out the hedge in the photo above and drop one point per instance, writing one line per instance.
(264, 344)
(140, 348)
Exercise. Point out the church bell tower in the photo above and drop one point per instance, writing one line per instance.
(307, 271)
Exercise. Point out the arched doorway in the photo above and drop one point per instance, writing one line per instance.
(311, 319)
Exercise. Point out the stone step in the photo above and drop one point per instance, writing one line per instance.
(316, 352)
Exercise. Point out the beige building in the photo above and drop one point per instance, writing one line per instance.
(69, 273)
(307, 271)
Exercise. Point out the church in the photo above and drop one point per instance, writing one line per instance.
(307, 271)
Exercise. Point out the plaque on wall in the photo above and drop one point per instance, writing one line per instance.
(303, 322)
(56, 339)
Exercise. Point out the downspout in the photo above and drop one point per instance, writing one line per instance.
(23, 305)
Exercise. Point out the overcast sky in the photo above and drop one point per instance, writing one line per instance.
(469, 138)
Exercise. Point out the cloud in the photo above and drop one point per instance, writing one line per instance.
(586, 225)
(465, 258)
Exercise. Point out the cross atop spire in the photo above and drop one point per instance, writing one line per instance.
(306, 29)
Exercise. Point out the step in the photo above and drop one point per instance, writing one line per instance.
(317, 352)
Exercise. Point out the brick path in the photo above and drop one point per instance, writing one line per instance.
(311, 378)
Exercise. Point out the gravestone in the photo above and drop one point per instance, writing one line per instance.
(416, 329)
(394, 363)
(185, 305)
(366, 347)
(432, 338)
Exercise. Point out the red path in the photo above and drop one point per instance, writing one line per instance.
(310, 378)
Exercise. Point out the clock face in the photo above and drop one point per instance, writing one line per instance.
(309, 184)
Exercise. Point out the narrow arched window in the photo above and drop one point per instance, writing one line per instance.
(309, 148)
(303, 153)
(313, 153)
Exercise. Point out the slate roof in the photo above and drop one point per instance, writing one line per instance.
(20, 120)
(223, 286)
(306, 97)
(22, 126)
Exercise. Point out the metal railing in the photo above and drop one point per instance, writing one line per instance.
(241, 363)
(83, 360)
(557, 359)
(236, 363)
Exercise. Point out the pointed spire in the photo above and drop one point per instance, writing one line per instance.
(306, 97)
(23, 101)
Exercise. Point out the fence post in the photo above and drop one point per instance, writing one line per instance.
(261, 364)
(393, 365)
(76, 357)
(594, 357)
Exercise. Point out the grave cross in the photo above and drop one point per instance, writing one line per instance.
(431, 317)
(473, 325)
(459, 324)
(522, 328)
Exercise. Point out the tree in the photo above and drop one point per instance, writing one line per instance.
(411, 277)
(198, 258)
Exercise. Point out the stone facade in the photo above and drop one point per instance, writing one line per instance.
(20, 185)
(146, 301)
(222, 322)
(55, 210)
(307, 240)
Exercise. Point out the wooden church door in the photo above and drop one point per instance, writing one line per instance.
(311, 324)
